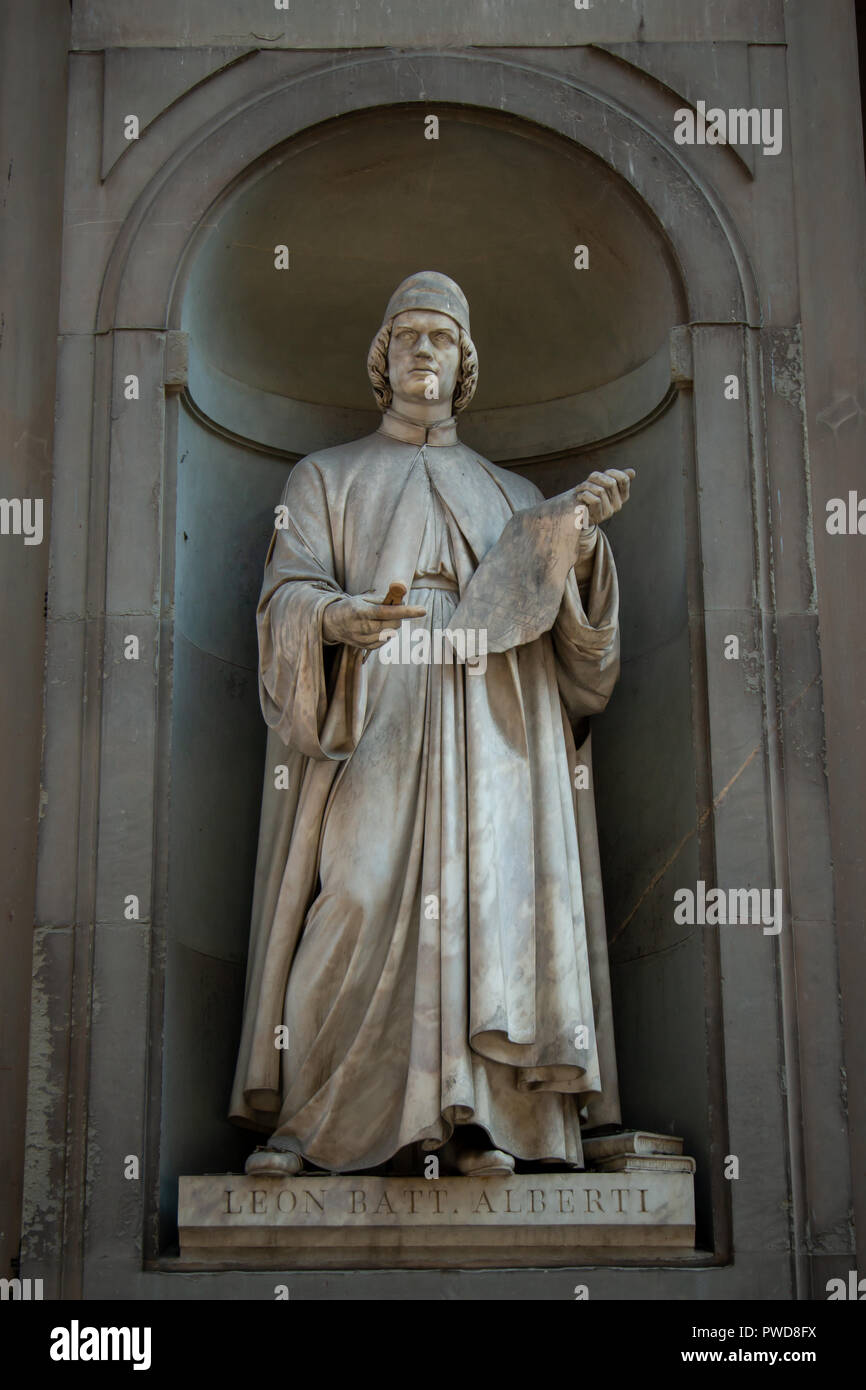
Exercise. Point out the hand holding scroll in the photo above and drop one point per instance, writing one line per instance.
(602, 495)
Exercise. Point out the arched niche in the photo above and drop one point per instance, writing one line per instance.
(575, 373)
(570, 355)
(226, 473)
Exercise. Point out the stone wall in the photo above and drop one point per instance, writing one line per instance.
(746, 771)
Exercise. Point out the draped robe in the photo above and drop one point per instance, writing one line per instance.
(427, 918)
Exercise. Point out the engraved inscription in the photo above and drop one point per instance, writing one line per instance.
(563, 1199)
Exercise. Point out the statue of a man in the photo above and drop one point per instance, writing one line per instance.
(428, 961)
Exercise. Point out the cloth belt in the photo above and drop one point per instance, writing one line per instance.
(435, 581)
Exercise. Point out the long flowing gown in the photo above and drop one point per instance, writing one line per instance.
(420, 923)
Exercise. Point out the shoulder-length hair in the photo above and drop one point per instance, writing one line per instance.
(377, 369)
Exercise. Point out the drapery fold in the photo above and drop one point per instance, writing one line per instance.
(427, 919)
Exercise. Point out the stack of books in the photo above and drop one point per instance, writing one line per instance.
(636, 1151)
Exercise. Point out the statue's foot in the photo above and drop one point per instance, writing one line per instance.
(484, 1163)
(273, 1163)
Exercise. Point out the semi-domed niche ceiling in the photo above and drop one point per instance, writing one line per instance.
(566, 355)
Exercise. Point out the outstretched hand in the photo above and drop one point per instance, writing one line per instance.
(603, 494)
(360, 622)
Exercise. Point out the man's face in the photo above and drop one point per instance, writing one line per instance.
(423, 356)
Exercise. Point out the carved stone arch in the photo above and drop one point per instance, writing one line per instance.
(758, 568)
(142, 293)
(714, 266)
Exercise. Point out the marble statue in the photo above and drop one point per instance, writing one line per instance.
(428, 963)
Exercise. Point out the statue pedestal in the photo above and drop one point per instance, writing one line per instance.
(322, 1222)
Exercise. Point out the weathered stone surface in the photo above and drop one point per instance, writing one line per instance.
(33, 42)
(127, 788)
(137, 445)
(830, 229)
(71, 490)
(309, 24)
(319, 1219)
(145, 82)
(116, 1163)
(711, 1001)
(47, 1063)
(718, 75)
(60, 790)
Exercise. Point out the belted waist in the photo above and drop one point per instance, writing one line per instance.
(435, 581)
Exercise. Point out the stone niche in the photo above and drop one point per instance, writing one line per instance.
(575, 373)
